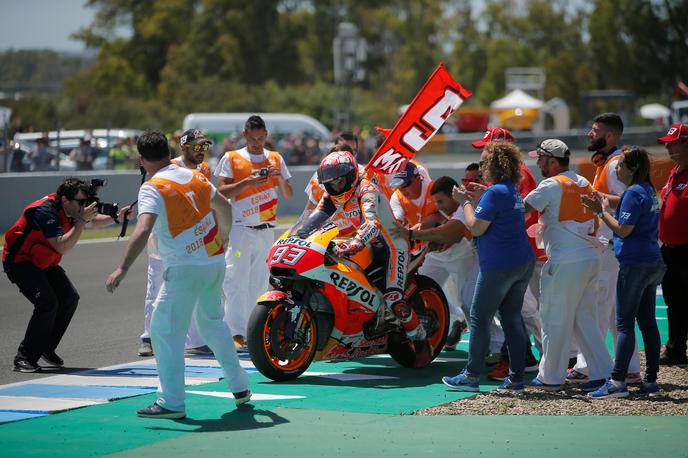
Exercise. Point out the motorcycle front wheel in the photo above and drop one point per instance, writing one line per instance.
(274, 354)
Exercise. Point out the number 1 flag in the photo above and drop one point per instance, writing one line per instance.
(439, 97)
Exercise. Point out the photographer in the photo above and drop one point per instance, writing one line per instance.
(47, 229)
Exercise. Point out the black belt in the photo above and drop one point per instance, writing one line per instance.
(261, 226)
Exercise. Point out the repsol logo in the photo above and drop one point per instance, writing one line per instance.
(353, 289)
(401, 269)
(294, 241)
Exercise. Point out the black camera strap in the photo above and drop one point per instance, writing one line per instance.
(125, 220)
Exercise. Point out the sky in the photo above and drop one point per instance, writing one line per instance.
(41, 24)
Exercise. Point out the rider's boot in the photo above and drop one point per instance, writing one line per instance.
(414, 331)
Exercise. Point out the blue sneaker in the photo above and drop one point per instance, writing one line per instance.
(593, 385)
(510, 387)
(462, 382)
(610, 390)
(536, 383)
(650, 389)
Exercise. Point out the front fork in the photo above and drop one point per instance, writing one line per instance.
(294, 312)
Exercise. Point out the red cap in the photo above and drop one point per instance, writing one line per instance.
(676, 132)
(493, 134)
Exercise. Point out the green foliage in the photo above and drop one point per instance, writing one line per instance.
(276, 55)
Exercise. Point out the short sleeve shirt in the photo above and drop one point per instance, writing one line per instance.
(639, 207)
(504, 245)
(46, 219)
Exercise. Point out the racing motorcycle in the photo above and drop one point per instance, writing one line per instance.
(325, 307)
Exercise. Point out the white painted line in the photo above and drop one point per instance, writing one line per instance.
(661, 318)
(254, 396)
(345, 377)
(661, 306)
(450, 360)
(123, 380)
(44, 404)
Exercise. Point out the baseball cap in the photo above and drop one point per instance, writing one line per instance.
(493, 134)
(676, 132)
(193, 137)
(404, 177)
(551, 147)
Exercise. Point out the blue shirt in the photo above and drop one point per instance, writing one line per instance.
(638, 207)
(45, 219)
(504, 245)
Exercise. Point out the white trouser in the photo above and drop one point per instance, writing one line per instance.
(247, 274)
(606, 309)
(496, 333)
(531, 307)
(185, 289)
(568, 306)
(450, 272)
(155, 270)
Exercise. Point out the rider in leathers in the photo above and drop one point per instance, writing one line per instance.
(357, 200)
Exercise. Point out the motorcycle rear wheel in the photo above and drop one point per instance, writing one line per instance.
(272, 354)
(429, 302)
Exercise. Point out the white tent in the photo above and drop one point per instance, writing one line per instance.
(517, 99)
(654, 111)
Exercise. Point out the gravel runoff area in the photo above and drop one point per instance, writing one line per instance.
(672, 401)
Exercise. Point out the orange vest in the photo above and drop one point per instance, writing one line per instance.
(414, 213)
(189, 216)
(571, 208)
(600, 181)
(257, 204)
(203, 167)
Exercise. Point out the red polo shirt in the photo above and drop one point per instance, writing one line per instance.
(673, 210)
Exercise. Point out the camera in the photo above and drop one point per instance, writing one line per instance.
(264, 172)
(104, 208)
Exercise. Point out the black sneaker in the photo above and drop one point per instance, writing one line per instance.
(668, 359)
(24, 365)
(242, 397)
(50, 359)
(157, 411)
(199, 351)
(145, 348)
(454, 335)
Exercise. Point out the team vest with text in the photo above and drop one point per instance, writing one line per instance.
(191, 222)
(573, 215)
(258, 204)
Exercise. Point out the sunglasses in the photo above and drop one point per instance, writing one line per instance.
(199, 148)
(81, 202)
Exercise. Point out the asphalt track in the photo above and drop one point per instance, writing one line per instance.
(358, 408)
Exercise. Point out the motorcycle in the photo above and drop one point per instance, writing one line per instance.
(325, 307)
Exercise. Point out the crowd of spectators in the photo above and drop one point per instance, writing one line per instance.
(600, 267)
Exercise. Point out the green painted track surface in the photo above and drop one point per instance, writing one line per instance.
(363, 410)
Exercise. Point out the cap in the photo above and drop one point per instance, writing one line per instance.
(193, 137)
(493, 134)
(404, 177)
(676, 132)
(551, 147)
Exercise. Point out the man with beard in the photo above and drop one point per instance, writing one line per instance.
(194, 145)
(603, 137)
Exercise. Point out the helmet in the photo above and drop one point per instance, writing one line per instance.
(337, 165)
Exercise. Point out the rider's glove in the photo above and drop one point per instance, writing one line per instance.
(348, 248)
